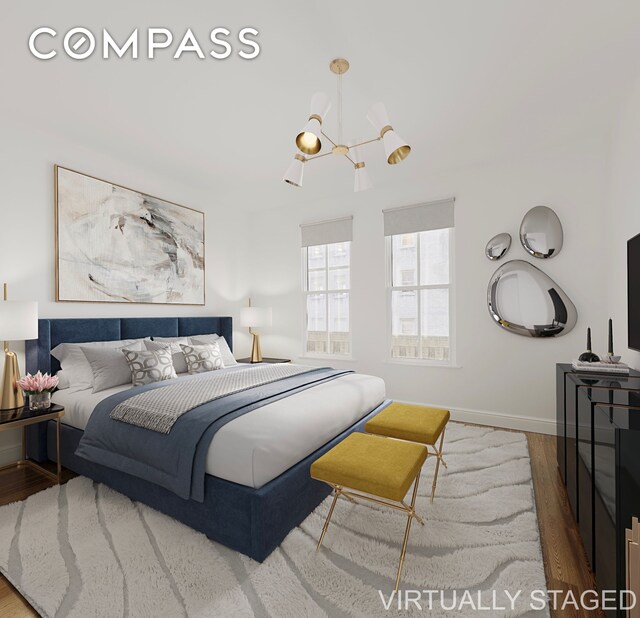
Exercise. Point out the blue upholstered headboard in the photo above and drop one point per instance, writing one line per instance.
(80, 330)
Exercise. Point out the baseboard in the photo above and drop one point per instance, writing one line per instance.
(496, 419)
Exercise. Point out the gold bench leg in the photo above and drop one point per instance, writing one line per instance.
(438, 460)
(326, 523)
(410, 517)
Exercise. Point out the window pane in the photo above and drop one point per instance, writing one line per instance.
(316, 256)
(339, 323)
(404, 325)
(434, 257)
(339, 279)
(404, 255)
(434, 323)
(316, 280)
(317, 336)
(339, 254)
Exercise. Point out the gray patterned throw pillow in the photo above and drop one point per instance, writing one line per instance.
(202, 358)
(150, 366)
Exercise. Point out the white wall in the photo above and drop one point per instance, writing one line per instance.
(502, 379)
(624, 212)
(27, 233)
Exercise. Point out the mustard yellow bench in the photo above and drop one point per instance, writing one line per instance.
(373, 468)
(414, 424)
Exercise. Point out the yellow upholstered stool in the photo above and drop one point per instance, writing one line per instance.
(372, 468)
(415, 424)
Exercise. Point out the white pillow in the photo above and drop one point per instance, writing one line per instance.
(63, 380)
(109, 365)
(173, 344)
(75, 364)
(228, 359)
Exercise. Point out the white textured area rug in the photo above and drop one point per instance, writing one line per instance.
(85, 550)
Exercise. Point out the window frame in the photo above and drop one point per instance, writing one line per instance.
(326, 292)
(390, 288)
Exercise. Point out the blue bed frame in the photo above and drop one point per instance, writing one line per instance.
(251, 521)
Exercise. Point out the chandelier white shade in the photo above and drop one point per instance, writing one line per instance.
(362, 181)
(309, 139)
(395, 148)
(312, 139)
(295, 171)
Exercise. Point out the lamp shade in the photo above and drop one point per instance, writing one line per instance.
(308, 140)
(295, 171)
(362, 181)
(255, 317)
(395, 148)
(18, 320)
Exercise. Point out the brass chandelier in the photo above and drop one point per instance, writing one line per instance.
(310, 140)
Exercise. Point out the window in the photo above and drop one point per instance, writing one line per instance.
(326, 287)
(420, 281)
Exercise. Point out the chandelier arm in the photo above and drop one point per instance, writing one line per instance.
(350, 159)
(324, 154)
(332, 142)
(369, 141)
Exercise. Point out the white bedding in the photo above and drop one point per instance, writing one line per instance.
(260, 445)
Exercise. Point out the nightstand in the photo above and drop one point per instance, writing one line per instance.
(22, 418)
(266, 359)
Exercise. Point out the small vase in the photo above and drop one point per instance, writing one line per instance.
(40, 401)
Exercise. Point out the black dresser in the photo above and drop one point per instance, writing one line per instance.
(598, 429)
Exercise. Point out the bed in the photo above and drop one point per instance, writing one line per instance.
(257, 485)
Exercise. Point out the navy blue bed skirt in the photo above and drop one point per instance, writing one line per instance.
(251, 521)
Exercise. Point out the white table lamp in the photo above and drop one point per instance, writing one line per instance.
(18, 322)
(255, 317)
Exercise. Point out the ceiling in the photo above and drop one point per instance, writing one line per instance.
(464, 81)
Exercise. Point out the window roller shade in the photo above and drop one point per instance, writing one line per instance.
(419, 218)
(327, 232)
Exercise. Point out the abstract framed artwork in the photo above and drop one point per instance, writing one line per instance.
(117, 245)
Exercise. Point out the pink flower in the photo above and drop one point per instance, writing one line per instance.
(38, 383)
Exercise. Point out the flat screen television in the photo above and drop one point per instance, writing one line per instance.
(633, 291)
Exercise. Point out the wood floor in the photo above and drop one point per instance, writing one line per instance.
(565, 559)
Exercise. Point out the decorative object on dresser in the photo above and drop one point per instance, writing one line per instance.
(23, 418)
(39, 388)
(588, 356)
(18, 322)
(311, 139)
(598, 429)
(255, 317)
(117, 245)
(611, 357)
(541, 232)
(525, 301)
(498, 246)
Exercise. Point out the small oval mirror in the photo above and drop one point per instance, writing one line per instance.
(541, 232)
(525, 301)
(498, 246)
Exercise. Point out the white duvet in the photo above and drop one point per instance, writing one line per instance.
(260, 445)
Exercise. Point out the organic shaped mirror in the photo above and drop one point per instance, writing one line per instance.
(498, 246)
(541, 232)
(525, 301)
